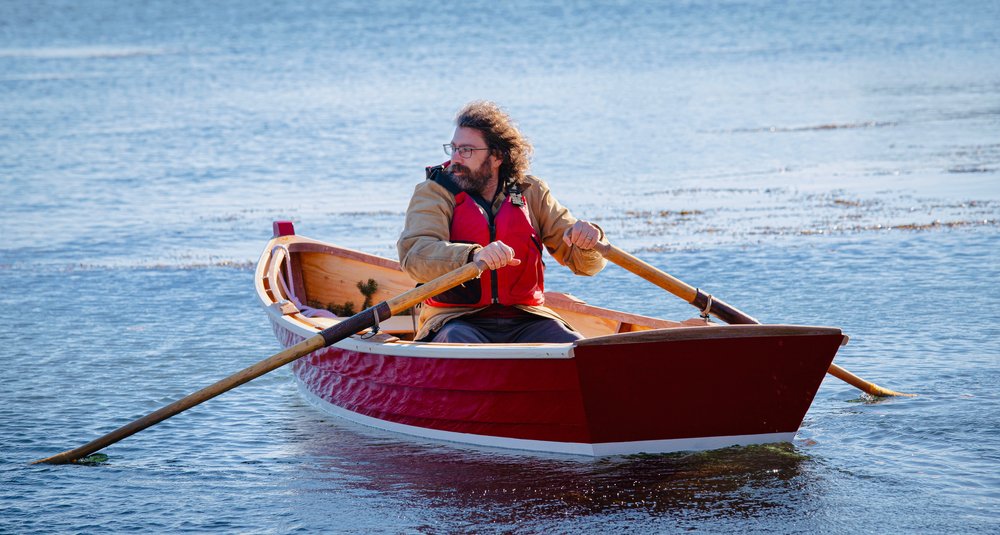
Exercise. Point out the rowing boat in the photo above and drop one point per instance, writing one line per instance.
(633, 384)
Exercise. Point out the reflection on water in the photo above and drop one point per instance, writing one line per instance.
(488, 487)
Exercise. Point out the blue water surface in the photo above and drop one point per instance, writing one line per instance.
(821, 163)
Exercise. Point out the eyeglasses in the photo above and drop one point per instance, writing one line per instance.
(464, 152)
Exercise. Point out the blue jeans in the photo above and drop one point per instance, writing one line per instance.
(502, 330)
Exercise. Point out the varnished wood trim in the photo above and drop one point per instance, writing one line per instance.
(702, 333)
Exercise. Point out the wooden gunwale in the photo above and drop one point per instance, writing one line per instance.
(624, 327)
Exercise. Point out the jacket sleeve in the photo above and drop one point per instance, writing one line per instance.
(553, 220)
(423, 246)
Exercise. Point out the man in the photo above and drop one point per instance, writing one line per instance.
(482, 205)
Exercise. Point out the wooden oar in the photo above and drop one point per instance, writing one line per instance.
(709, 304)
(333, 334)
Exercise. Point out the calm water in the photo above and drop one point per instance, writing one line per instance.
(832, 163)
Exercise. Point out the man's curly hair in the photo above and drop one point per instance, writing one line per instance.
(502, 137)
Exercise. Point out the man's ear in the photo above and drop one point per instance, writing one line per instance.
(498, 158)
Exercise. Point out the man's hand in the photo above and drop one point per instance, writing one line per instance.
(582, 234)
(496, 255)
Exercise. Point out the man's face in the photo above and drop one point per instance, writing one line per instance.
(476, 171)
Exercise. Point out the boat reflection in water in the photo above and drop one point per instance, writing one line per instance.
(483, 486)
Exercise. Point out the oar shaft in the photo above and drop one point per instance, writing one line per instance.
(648, 272)
(704, 302)
(326, 337)
(865, 386)
(425, 291)
(719, 308)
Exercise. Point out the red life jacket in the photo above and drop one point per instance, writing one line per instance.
(522, 284)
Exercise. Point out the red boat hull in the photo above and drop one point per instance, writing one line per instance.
(647, 393)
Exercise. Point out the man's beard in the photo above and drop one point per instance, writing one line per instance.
(470, 180)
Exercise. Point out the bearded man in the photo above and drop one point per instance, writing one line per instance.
(482, 205)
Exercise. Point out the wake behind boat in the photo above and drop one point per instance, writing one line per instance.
(634, 383)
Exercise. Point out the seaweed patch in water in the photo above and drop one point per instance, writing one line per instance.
(868, 399)
(782, 449)
(971, 169)
(93, 459)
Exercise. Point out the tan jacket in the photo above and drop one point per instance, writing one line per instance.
(426, 253)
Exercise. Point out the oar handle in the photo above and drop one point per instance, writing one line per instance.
(326, 337)
(707, 303)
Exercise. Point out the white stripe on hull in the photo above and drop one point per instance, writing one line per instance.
(572, 448)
